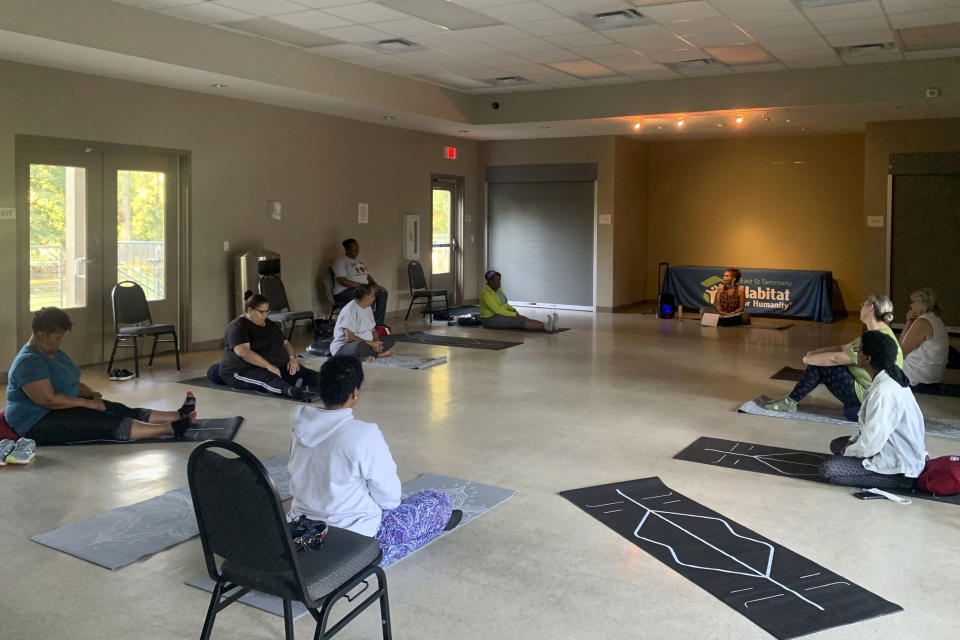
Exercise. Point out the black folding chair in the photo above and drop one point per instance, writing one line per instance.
(243, 527)
(273, 290)
(328, 284)
(130, 308)
(419, 293)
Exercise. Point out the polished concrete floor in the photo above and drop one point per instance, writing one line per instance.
(613, 399)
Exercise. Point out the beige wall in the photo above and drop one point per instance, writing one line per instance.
(599, 150)
(243, 154)
(883, 139)
(631, 221)
(748, 202)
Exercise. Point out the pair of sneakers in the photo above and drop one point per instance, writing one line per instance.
(552, 323)
(20, 452)
(121, 374)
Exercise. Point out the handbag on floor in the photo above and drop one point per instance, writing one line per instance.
(941, 476)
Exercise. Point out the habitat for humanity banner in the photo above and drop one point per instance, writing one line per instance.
(769, 291)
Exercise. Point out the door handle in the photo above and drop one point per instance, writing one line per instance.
(76, 267)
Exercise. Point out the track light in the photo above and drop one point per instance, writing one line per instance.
(680, 123)
(636, 125)
(739, 119)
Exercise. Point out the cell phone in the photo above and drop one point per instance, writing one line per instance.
(868, 495)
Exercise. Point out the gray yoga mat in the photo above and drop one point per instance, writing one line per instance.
(204, 382)
(394, 361)
(124, 535)
(473, 498)
(811, 412)
(202, 429)
(439, 339)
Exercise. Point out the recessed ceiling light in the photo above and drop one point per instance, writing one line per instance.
(636, 125)
(739, 119)
(217, 85)
(681, 122)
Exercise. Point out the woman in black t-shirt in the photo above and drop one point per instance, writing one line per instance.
(257, 356)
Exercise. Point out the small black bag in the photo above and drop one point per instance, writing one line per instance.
(308, 534)
(322, 328)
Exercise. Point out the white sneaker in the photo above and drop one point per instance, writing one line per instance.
(548, 324)
(6, 448)
(23, 452)
(556, 322)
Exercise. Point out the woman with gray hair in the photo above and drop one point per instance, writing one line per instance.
(355, 332)
(836, 367)
(924, 340)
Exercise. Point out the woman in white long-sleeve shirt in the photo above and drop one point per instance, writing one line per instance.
(888, 453)
(341, 472)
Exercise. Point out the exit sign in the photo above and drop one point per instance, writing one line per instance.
(450, 153)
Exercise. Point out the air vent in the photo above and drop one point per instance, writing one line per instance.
(616, 19)
(693, 65)
(507, 81)
(857, 50)
(397, 45)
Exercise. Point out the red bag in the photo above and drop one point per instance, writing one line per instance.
(381, 330)
(941, 476)
(6, 431)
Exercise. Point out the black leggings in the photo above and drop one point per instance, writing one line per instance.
(848, 471)
(838, 380)
(259, 379)
(80, 424)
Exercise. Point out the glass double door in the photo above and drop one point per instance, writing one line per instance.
(445, 223)
(93, 218)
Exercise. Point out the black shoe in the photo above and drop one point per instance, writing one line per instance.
(455, 517)
(120, 374)
(297, 393)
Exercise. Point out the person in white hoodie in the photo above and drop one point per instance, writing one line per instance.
(888, 453)
(341, 472)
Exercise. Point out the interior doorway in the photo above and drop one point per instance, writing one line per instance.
(95, 217)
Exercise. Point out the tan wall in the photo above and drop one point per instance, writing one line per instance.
(243, 154)
(631, 221)
(779, 214)
(883, 139)
(599, 150)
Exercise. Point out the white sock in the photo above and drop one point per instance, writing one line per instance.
(556, 322)
(548, 323)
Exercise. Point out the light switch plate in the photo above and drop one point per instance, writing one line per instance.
(8, 213)
(874, 221)
(606, 218)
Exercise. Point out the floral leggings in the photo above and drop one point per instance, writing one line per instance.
(838, 380)
(417, 520)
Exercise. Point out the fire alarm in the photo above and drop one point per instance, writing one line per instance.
(932, 92)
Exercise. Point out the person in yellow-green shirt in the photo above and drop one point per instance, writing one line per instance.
(497, 313)
(836, 367)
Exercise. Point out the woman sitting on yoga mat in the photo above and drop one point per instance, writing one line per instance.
(257, 356)
(47, 402)
(924, 340)
(341, 471)
(355, 332)
(730, 301)
(888, 453)
(496, 313)
(836, 367)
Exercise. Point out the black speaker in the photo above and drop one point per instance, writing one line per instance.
(666, 305)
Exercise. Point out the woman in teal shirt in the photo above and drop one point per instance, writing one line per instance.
(47, 402)
(497, 313)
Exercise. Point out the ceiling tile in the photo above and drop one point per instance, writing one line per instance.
(501, 60)
(356, 33)
(613, 80)
(714, 70)
(156, 4)
(523, 12)
(262, 7)
(576, 7)
(795, 44)
(863, 37)
(757, 68)
(936, 53)
(661, 73)
(207, 13)
(631, 62)
(453, 42)
(912, 6)
(739, 54)
(408, 27)
(774, 19)
(681, 11)
(602, 50)
(481, 4)
(737, 8)
(346, 51)
(578, 39)
(710, 32)
(678, 56)
(555, 27)
(809, 58)
(428, 57)
(876, 23)
(267, 28)
(649, 37)
(323, 4)
(366, 12)
(784, 32)
(494, 34)
(525, 70)
(583, 69)
(893, 56)
(931, 38)
(543, 57)
(925, 18)
(848, 11)
(527, 45)
(312, 20)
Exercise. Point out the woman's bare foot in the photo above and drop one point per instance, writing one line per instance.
(385, 354)
(369, 359)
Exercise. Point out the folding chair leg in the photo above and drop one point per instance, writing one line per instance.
(176, 349)
(384, 606)
(136, 355)
(287, 620)
(153, 351)
(407, 317)
(211, 612)
(113, 354)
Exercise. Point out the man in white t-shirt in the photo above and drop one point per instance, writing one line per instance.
(350, 272)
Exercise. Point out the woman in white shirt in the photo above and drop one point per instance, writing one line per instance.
(354, 334)
(924, 340)
(888, 453)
